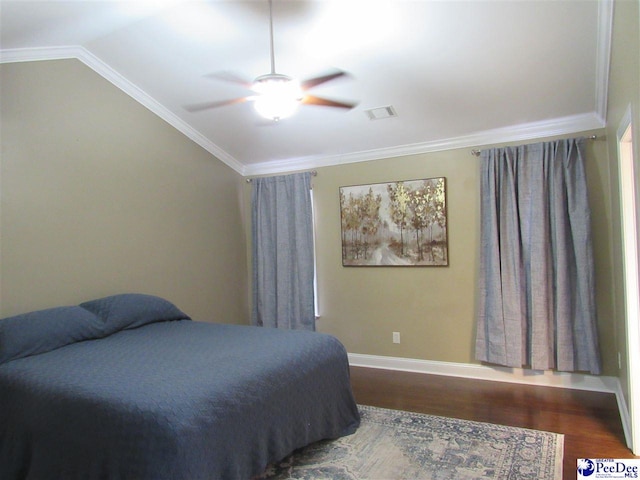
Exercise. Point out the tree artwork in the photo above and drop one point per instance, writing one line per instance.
(395, 224)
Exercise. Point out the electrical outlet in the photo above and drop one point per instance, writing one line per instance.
(396, 337)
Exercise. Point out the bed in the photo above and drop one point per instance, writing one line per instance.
(130, 387)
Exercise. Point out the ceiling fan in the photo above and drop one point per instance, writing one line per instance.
(276, 95)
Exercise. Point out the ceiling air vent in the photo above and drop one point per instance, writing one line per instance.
(381, 112)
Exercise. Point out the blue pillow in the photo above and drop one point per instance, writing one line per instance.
(45, 330)
(131, 310)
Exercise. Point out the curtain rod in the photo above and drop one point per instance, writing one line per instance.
(312, 172)
(475, 152)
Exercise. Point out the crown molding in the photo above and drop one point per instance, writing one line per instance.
(36, 54)
(108, 73)
(528, 131)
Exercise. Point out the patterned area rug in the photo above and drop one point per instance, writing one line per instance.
(394, 445)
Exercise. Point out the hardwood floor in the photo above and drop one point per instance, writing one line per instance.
(590, 421)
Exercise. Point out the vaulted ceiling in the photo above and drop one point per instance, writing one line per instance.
(456, 73)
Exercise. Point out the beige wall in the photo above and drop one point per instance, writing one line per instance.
(624, 91)
(100, 196)
(432, 308)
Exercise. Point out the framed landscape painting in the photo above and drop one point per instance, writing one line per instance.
(395, 224)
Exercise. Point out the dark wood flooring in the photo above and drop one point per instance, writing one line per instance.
(590, 421)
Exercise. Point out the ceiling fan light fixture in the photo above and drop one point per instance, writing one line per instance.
(278, 96)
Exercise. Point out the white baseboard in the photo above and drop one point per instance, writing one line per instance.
(483, 372)
(577, 381)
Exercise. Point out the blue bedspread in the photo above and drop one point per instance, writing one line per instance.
(172, 400)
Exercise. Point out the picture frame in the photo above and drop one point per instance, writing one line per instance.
(402, 223)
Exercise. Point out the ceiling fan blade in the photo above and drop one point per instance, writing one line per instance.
(314, 82)
(198, 107)
(230, 77)
(325, 102)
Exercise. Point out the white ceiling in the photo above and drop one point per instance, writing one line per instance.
(458, 73)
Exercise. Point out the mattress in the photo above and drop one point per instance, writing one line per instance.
(159, 396)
